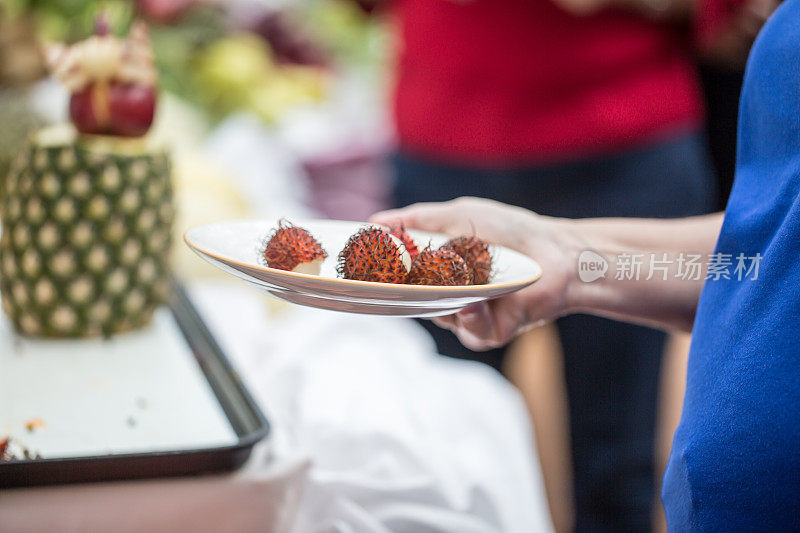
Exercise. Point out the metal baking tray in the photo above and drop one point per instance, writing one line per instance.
(163, 401)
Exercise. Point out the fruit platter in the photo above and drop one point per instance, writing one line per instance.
(362, 268)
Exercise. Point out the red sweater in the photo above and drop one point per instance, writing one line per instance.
(522, 81)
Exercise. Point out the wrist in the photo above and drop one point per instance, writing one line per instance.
(589, 255)
(557, 243)
(577, 248)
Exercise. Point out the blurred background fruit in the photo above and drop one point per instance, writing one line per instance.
(164, 11)
(18, 121)
(21, 63)
(87, 219)
(86, 235)
(298, 81)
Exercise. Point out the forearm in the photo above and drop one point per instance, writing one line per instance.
(676, 235)
(655, 268)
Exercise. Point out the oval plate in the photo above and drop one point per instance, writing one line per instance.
(235, 247)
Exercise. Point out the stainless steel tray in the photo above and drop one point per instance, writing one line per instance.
(163, 401)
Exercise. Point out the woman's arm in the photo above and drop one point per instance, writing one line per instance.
(656, 268)
(643, 282)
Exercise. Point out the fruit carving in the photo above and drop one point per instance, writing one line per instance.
(87, 219)
(112, 81)
(294, 249)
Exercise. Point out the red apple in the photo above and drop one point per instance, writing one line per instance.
(164, 11)
(113, 109)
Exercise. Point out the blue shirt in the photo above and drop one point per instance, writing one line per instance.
(735, 462)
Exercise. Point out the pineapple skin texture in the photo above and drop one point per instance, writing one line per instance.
(86, 238)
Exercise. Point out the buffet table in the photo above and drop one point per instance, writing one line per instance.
(371, 431)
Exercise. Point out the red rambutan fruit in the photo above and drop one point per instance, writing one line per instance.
(293, 248)
(439, 267)
(400, 232)
(475, 252)
(373, 254)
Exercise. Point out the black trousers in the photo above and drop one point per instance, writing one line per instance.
(611, 368)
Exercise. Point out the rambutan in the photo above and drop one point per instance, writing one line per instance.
(400, 232)
(439, 267)
(373, 254)
(475, 252)
(293, 248)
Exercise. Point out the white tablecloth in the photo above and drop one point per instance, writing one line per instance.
(372, 432)
(400, 439)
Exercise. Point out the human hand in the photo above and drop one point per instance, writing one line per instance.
(547, 240)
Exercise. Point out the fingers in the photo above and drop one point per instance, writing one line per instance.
(472, 325)
(485, 325)
(453, 217)
(445, 322)
(475, 327)
(424, 216)
(454, 323)
(390, 216)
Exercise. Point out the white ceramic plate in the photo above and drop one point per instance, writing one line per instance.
(235, 247)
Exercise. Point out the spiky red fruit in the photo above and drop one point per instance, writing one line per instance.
(439, 267)
(373, 255)
(293, 248)
(476, 254)
(400, 232)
